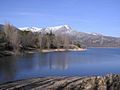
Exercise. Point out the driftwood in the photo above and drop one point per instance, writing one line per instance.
(108, 82)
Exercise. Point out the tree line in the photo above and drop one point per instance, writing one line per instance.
(17, 40)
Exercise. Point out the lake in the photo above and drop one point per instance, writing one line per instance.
(94, 61)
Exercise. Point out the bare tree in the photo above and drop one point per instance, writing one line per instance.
(66, 41)
(47, 41)
(40, 39)
(58, 41)
(28, 39)
(12, 37)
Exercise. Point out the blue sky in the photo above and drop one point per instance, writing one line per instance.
(101, 16)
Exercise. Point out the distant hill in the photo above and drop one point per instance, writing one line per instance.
(1, 27)
(86, 39)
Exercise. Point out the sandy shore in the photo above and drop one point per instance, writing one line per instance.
(60, 50)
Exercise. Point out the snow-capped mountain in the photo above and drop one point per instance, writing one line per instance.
(58, 29)
(62, 28)
(86, 39)
(55, 29)
(96, 34)
(33, 29)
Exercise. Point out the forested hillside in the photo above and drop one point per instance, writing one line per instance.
(17, 41)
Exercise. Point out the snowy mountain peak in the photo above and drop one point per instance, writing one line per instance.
(48, 29)
(66, 26)
(33, 29)
(95, 34)
(59, 27)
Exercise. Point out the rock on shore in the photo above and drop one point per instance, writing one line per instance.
(108, 82)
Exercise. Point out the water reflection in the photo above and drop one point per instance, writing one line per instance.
(8, 68)
(91, 62)
(59, 61)
(50, 61)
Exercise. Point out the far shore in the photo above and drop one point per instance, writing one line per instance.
(104, 47)
(10, 53)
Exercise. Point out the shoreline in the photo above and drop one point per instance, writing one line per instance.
(34, 50)
(61, 50)
(103, 47)
(106, 82)
(10, 53)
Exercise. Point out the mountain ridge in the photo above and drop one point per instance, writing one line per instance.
(86, 39)
(54, 29)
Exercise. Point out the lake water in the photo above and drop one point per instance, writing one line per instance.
(94, 61)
